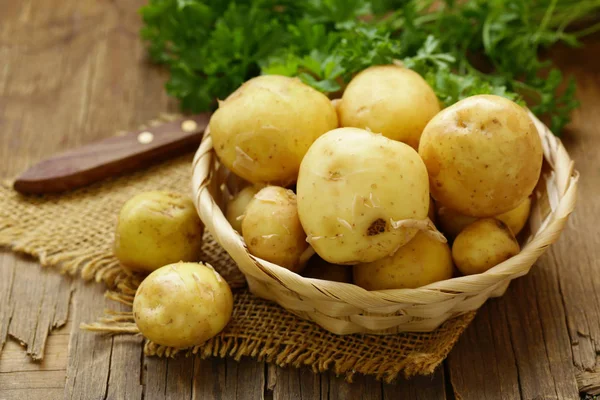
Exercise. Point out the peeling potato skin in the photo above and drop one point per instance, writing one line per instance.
(483, 155)
(263, 129)
(352, 185)
(421, 261)
(182, 305)
(155, 229)
(482, 245)
(391, 100)
(272, 229)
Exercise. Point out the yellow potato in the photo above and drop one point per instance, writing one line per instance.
(262, 130)
(156, 229)
(421, 261)
(182, 305)
(482, 245)
(237, 206)
(353, 189)
(431, 211)
(391, 100)
(272, 230)
(318, 268)
(452, 222)
(483, 155)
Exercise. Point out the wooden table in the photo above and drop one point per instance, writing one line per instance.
(72, 71)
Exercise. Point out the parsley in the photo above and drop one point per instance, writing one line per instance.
(461, 48)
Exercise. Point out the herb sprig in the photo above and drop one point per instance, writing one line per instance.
(461, 48)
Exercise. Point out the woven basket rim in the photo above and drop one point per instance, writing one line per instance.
(211, 214)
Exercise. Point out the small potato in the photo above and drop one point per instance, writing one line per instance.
(391, 100)
(452, 222)
(272, 230)
(182, 305)
(421, 261)
(156, 229)
(482, 245)
(355, 191)
(318, 268)
(483, 155)
(264, 128)
(237, 206)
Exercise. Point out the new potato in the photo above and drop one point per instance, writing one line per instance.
(421, 261)
(272, 230)
(155, 229)
(482, 245)
(452, 222)
(391, 100)
(263, 129)
(483, 155)
(182, 305)
(237, 206)
(354, 188)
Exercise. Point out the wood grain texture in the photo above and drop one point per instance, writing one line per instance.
(75, 71)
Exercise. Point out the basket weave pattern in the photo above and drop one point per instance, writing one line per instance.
(343, 308)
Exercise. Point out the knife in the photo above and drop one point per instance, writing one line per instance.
(112, 156)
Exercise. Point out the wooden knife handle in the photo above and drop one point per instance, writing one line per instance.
(113, 156)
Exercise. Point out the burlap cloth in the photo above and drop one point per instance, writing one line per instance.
(74, 233)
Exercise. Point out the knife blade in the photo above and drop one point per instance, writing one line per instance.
(112, 156)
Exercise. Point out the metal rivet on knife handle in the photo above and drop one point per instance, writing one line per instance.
(145, 137)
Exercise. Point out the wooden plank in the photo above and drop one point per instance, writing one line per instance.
(482, 365)
(32, 380)
(15, 359)
(32, 394)
(168, 378)
(90, 354)
(431, 387)
(7, 275)
(362, 387)
(297, 384)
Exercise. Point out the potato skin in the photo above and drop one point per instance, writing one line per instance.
(452, 222)
(272, 230)
(391, 100)
(483, 155)
(182, 304)
(421, 261)
(352, 186)
(155, 229)
(317, 268)
(482, 245)
(237, 206)
(263, 129)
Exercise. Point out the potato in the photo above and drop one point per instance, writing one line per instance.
(182, 304)
(452, 222)
(263, 129)
(237, 206)
(483, 244)
(156, 229)
(483, 155)
(318, 268)
(272, 230)
(391, 100)
(421, 261)
(431, 210)
(355, 188)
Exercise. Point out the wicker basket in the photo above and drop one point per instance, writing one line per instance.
(343, 308)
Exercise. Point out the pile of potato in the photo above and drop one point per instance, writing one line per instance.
(360, 180)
